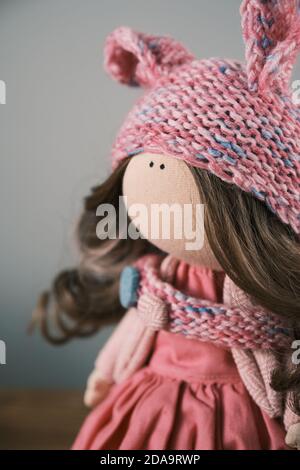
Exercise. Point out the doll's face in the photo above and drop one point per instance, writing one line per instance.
(165, 187)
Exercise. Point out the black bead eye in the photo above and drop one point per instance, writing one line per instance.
(151, 164)
(162, 166)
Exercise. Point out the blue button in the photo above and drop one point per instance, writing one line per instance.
(129, 283)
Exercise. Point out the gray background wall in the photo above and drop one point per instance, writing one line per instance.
(56, 130)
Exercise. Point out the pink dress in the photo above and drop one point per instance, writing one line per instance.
(189, 396)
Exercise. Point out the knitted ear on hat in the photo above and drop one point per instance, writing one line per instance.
(271, 30)
(138, 59)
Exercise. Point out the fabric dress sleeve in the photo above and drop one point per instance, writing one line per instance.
(126, 351)
(255, 368)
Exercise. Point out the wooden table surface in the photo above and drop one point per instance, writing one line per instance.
(40, 419)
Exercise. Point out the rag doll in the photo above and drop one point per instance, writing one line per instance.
(202, 356)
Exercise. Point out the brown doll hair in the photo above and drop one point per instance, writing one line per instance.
(257, 251)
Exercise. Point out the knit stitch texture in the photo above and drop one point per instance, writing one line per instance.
(237, 121)
(162, 306)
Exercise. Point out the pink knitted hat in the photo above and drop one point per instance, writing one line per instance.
(239, 122)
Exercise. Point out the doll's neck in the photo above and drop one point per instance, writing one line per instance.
(197, 281)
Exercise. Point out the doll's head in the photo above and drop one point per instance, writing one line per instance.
(206, 131)
(165, 190)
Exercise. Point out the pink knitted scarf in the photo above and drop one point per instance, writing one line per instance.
(163, 306)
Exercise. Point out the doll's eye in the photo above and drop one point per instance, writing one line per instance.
(162, 166)
(151, 164)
